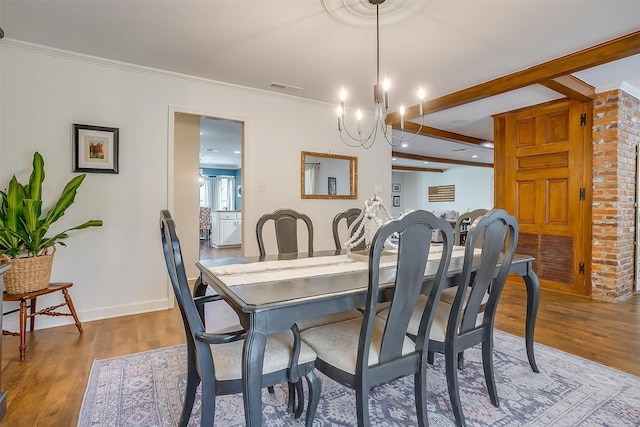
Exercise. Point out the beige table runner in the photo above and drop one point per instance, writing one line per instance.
(271, 271)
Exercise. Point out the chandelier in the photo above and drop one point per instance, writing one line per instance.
(381, 99)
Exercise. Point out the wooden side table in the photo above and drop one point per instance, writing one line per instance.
(49, 311)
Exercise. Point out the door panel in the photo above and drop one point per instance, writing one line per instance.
(542, 160)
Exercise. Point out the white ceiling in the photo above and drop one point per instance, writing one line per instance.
(446, 46)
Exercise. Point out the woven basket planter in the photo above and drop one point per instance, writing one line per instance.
(27, 274)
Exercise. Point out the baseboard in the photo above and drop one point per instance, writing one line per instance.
(10, 323)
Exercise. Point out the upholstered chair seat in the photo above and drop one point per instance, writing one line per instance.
(334, 343)
(277, 355)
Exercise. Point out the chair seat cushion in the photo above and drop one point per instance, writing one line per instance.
(303, 325)
(439, 325)
(337, 343)
(227, 358)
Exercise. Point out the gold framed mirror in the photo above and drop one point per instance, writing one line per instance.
(328, 176)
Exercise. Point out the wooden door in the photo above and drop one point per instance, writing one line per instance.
(543, 177)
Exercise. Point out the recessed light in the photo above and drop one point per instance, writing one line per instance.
(394, 159)
(426, 163)
(475, 156)
(405, 145)
(236, 152)
(487, 144)
(211, 150)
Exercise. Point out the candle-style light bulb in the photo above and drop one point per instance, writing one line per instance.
(343, 96)
(421, 96)
(402, 117)
(339, 119)
(358, 117)
(385, 87)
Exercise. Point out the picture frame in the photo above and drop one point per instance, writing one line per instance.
(95, 149)
(333, 186)
(395, 188)
(396, 201)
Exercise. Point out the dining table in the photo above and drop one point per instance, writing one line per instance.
(271, 293)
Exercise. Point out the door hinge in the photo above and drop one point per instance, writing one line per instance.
(583, 119)
(582, 193)
(581, 268)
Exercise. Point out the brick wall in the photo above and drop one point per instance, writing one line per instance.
(616, 135)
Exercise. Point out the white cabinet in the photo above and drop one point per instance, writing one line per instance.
(226, 228)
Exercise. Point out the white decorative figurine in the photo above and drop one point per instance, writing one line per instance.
(373, 215)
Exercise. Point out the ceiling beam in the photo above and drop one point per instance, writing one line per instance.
(571, 87)
(416, 169)
(402, 155)
(603, 53)
(439, 133)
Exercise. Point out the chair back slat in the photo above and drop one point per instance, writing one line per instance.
(286, 228)
(414, 231)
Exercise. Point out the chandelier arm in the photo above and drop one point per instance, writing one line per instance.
(413, 135)
(362, 142)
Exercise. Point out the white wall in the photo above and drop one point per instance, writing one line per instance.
(118, 269)
(474, 188)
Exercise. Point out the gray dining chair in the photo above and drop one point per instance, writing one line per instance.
(285, 222)
(215, 359)
(349, 216)
(365, 353)
(465, 220)
(469, 320)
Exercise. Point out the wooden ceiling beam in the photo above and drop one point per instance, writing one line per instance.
(571, 87)
(416, 169)
(402, 155)
(603, 53)
(439, 133)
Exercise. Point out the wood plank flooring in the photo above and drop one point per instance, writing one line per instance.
(47, 388)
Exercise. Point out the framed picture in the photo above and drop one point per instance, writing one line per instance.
(95, 149)
(395, 188)
(396, 201)
(333, 189)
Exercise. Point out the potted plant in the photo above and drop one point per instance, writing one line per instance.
(23, 229)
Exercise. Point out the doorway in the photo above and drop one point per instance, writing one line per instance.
(220, 187)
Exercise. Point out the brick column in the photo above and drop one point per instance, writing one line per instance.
(616, 135)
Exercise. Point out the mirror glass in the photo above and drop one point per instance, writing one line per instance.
(328, 176)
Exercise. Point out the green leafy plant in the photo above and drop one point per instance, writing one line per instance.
(24, 225)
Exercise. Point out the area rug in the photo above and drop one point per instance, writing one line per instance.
(146, 389)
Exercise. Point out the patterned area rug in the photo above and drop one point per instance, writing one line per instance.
(146, 389)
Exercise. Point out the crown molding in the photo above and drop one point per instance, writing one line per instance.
(141, 69)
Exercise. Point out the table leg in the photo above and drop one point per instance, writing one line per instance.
(32, 309)
(23, 329)
(533, 298)
(72, 309)
(253, 358)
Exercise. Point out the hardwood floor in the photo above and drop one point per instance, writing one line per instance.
(208, 252)
(47, 388)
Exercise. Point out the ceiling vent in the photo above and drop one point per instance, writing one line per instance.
(282, 86)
